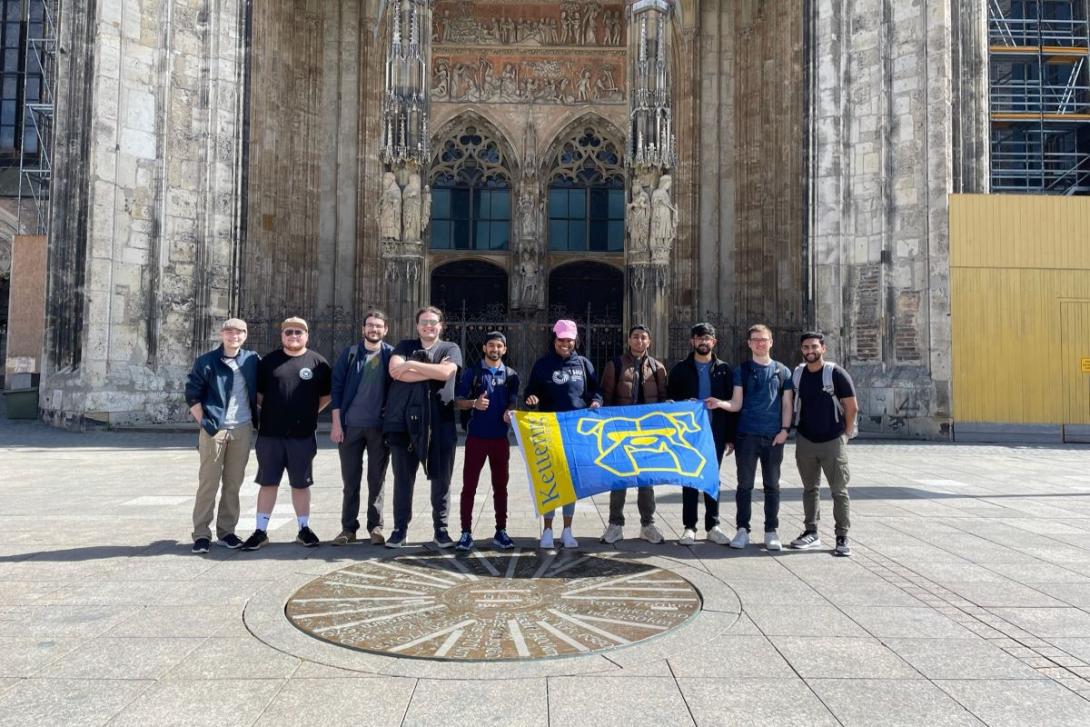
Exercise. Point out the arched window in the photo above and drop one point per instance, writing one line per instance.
(471, 194)
(586, 195)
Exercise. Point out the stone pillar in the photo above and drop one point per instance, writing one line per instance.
(528, 271)
(652, 219)
(405, 207)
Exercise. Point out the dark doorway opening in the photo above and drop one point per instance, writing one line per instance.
(470, 289)
(587, 290)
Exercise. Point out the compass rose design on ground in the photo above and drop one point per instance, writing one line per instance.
(514, 605)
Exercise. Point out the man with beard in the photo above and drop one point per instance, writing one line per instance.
(490, 391)
(360, 383)
(293, 385)
(419, 422)
(825, 411)
(704, 376)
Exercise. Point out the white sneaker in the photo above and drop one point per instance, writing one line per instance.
(688, 537)
(567, 539)
(717, 536)
(740, 539)
(651, 534)
(612, 534)
(772, 540)
(547, 539)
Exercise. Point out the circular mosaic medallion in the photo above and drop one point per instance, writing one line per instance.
(491, 605)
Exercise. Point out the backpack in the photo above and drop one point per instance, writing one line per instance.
(464, 415)
(827, 387)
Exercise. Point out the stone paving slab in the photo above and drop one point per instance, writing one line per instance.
(967, 602)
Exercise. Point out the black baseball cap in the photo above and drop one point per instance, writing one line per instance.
(495, 336)
(702, 329)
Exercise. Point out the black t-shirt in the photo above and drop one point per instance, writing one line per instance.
(442, 393)
(291, 387)
(817, 417)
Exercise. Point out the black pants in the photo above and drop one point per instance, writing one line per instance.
(406, 461)
(749, 450)
(690, 499)
(358, 440)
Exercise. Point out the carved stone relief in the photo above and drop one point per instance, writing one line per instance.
(663, 222)
(639, 226)
(389, 214)
(518, 79)
(574, 23)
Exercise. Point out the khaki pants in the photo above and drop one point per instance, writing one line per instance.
(831, 457)
(223, 457)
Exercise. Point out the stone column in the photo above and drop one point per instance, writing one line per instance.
(405, 206)
(652, 219)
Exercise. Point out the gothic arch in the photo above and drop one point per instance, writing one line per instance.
(605, 128)
(484, 126)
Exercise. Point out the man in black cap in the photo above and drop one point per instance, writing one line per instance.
(490, 391)
(703, 375)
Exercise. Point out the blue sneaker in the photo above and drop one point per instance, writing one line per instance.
(465, 542)
(442, 538)
(396, 539)
(502, 540)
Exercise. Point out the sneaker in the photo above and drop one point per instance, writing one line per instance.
(442, 539)
(307, 538)
(651, 534)
(772, 540)
(257, 540)
(740, 539)
(345, 537)
(230, 541)
(567, 539)
(465, 542)
(502, 540)
(200, 545)
(842, 548)
(717, 536)
(546, 539)
(808, 539)
(688, 537)
(396, 539)
(612, 534)
(377, 537)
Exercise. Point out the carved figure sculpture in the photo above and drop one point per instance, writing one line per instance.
(440, 85)
(411, 208)
(639, 225)
(663, 222)
(389, 210)
(582, 88)
(528, 284)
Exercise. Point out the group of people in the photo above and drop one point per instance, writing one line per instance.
(401, 404)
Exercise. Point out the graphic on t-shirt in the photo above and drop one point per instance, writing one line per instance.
(656, 442)
(306, 374)
(561, 377)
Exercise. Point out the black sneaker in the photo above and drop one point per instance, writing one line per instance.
(442, 539)
(230, 540)
(257, 540)
(843, 549)
(396, 539)
(307, 538)
(200, 545)
(806, 541)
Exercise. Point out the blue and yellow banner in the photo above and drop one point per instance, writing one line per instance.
(576, 454)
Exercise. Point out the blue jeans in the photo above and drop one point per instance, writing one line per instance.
(748, 450)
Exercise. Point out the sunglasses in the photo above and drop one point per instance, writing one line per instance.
(293, 332)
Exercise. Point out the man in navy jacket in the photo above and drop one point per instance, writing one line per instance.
(221, 392)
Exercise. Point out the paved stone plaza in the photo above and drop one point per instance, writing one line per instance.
(967, 602)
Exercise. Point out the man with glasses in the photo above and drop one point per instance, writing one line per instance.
(704, 376)
(360, 383)
(419, 422)
(221, 392)
(763, 389)
(293, 385)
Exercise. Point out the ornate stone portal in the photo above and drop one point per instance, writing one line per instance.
(511, 605)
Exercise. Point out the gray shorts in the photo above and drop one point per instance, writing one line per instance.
(276, 454)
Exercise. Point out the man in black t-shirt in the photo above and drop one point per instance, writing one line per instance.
(825, 421)
(419, 422)
(293, 385)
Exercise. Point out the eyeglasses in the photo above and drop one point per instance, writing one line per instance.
(375, 325)
(428, 322)
(292, 332)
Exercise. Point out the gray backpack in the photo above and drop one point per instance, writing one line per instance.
(827, 387)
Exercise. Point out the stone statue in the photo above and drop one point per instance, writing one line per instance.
(425, 208)
(389, 209)
(529, 219)
(663, 222)
(639, 225)
(412, 208)
(528, 282)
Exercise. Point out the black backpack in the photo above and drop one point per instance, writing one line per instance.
(464, 415)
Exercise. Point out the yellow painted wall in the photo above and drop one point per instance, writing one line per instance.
(1014, 260)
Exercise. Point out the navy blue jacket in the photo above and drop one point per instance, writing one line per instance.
(346, 379)
(683, 382)
(563, 384)
(210, 382)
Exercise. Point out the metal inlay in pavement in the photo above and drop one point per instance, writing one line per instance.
(489, 605)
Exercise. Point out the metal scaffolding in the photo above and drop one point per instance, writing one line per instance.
(41, 18)
(1039, 96)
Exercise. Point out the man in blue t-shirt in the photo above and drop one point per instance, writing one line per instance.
(490, 391)
(763, 396)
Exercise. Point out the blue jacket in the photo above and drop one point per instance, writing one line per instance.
(563, 384)
(346, 378)
(210, 382)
